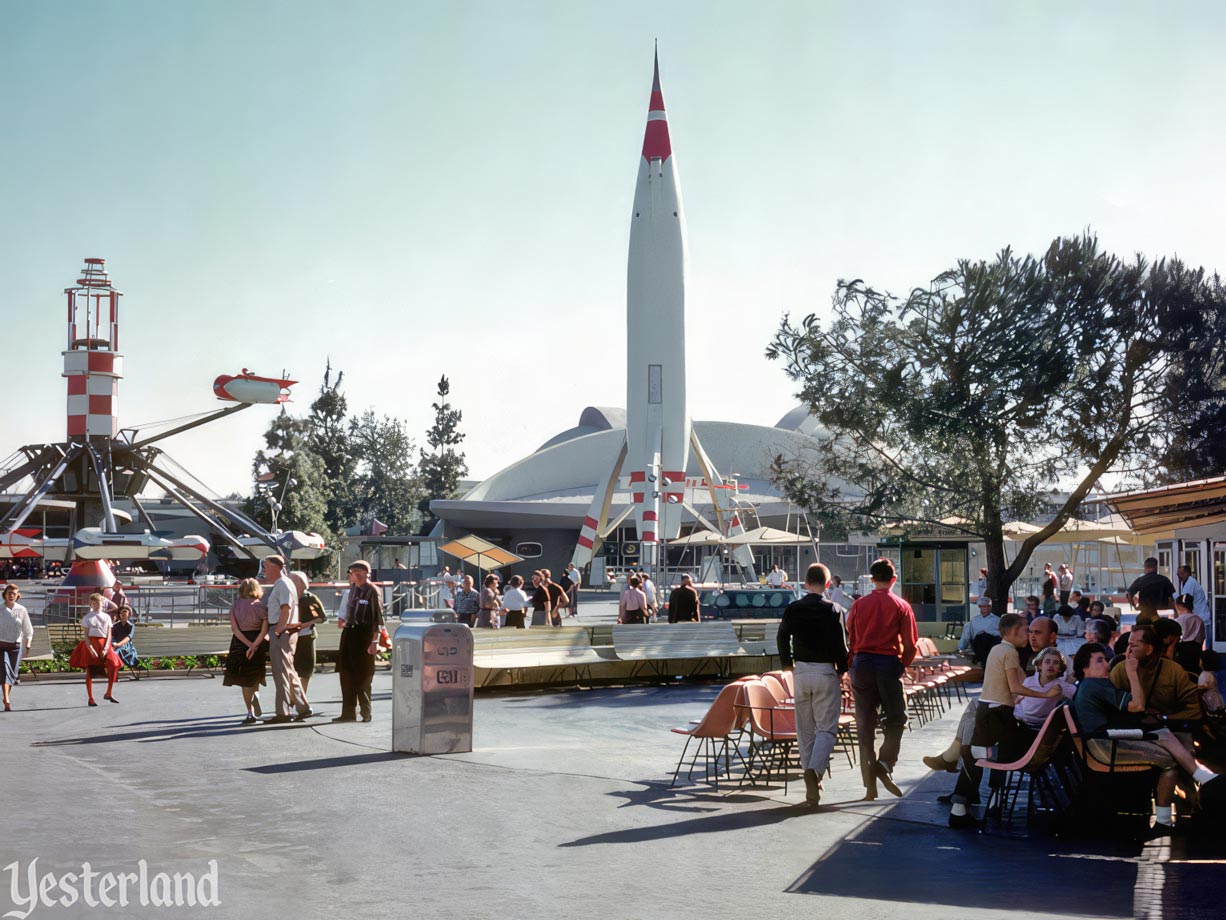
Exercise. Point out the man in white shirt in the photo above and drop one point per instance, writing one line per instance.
(836, 595)
(981, 623)
(446, 593)
(575, 577)
(776, 577)
(1186, 584)
(281, 599)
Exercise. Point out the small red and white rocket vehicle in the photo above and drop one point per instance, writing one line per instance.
(248, 388)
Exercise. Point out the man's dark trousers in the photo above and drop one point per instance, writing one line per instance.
(876, 681)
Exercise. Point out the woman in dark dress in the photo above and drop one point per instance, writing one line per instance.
(245, 664)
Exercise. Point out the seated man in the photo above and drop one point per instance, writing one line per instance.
(1099, 631)
(983, 623)
(1043, 634)
(1168, 689)
(1003, 683)
(1100, 705)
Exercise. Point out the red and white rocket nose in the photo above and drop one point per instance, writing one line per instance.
(656, 145)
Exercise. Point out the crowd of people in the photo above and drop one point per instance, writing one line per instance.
(545, 603)
(276, 622)
(1110, 675)
(1157, 676)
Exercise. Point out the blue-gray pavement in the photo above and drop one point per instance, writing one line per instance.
(561, 810)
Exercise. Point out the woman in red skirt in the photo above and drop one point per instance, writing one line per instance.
(95, 651)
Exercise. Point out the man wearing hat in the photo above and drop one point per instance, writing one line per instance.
(360, 623)
(281, 599)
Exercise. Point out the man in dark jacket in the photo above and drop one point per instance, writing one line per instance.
(683, 603)
(360, 623)
(812, 643)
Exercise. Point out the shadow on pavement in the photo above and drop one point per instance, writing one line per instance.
(1095, 875)
(328, 763)
(218, 727)
(714, 824)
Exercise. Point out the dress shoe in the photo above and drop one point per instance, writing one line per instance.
(948, 798)
(250, 720)
(882, 773)
(940, 763)
(93, 703)
(813, 787)
(110, 699)
(307, 713)
(963, 822)
(344, 719)
(278, 720)
(366, 718)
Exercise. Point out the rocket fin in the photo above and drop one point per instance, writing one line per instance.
(592, 533)
(726, 517)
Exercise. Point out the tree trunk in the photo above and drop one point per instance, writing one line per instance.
(999, 579)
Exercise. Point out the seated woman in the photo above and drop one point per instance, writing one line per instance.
(96, 651)
(1049, 667)
(121, 640)
(1070, 629)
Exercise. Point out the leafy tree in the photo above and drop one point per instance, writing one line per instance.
(387, 486)
(970, 397)
(288, 456)
(442, 467)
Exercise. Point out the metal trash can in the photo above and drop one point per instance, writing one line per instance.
(432, 688)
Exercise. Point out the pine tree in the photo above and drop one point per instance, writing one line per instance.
(329, 440)
(442, 467)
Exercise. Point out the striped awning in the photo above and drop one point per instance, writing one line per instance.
(481, 553)
(1182, 504)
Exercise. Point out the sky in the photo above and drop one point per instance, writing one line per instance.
(417, 189)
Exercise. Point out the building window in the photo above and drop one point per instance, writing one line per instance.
(528, 550)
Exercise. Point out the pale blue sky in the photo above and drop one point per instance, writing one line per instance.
(418, 189)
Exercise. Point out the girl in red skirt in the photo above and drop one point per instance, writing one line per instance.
(95, 651)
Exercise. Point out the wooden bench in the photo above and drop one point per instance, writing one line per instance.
(188, 642)
(759, 638)
(40, 646)
(567, 648)
(654, 646)
(40, 650)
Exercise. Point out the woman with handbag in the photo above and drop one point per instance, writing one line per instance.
(491, 602)
(245, 663)
(15, 629)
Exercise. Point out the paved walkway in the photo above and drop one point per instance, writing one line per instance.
(562, 810)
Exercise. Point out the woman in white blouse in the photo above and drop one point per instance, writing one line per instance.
(95, 650)
(15, 629)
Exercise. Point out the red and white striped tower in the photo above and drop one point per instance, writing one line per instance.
(92, 362)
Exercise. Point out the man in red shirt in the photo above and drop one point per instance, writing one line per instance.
(882, 636)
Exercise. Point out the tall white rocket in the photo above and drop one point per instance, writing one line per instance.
(658, 432)
(657, 424)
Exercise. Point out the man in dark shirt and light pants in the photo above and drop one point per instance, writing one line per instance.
(811, 641)
(882, 634)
